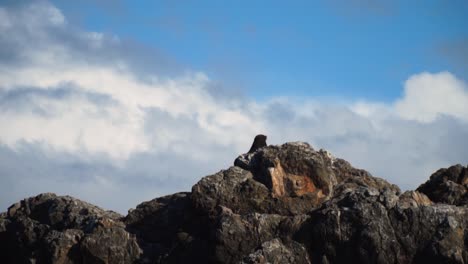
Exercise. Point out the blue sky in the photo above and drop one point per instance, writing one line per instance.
(121, 102)
(274, 48)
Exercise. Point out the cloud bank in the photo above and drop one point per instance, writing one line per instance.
(87, 114)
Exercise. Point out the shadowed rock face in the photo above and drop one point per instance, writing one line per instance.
(277, 204)
(448, 186)
(61, 229)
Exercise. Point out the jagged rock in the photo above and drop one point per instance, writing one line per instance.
(371, 228)
(168, 230)
(278, 204)
(448, 186)
(296, 169)
(413, 199)
(352, 226)
(61, 229)
(275, 251)
(238, 235)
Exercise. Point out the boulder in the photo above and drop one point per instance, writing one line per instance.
(275, 251)
(448, 185)
(277, 204)
(60, 229)
(168, 230)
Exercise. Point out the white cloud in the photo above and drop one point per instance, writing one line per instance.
(117, 129)
(32, 18)
(428, 96)
(78, 119)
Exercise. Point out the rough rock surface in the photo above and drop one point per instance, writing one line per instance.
(448, 186)
(60, 229)
(278, 204)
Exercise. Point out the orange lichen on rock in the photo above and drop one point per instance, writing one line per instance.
(288, 184)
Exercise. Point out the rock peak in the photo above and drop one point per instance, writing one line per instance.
(278, 204)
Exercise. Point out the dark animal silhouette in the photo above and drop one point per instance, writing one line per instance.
(259, 142)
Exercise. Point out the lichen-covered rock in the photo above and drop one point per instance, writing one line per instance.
(449, 185)
(238, 235)
(281, 184)
(169, 231)
(413, 199)
(379, 228)
(61, 229)
(295, 170)
(352, 226)
(274, 251)
(277, 204)
(292, 170)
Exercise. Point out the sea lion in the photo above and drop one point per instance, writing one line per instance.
(259, 142)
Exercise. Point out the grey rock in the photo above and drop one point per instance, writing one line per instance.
(169, 230)
(277, 204)
(274, 251)
(61, 229)
(448, 185)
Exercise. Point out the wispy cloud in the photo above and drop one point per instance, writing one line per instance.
(80, 115)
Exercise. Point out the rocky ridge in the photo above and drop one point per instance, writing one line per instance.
(277, 204)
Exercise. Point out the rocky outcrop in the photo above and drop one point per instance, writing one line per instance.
(60, 229)
(448, 186)
(277, 204)
(377, 227)
(169, 230)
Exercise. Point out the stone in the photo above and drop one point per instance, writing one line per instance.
(60, 229)
(277, 204)
(274, 251)
(448, 185)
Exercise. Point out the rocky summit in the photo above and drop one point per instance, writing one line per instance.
(277, 204)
